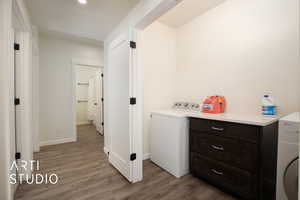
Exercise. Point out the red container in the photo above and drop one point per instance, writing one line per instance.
(214, 104)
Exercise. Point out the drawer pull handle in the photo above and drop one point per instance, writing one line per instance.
(220, 148)
(217, 172)
(217, 129)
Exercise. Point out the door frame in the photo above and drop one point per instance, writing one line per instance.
(13, 11)
(135, 26)
(137, 113)
(137, 30)
(21, 26)
(85, 62)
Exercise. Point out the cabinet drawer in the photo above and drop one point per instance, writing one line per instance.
(227, 129)
(239, 182)
(234, 152)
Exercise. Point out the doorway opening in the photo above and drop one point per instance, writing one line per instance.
(161, 61)
(89, 96)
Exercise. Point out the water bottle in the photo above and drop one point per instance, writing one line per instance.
(268, 106)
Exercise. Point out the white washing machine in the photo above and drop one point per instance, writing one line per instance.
(288, 158)
(169, 141)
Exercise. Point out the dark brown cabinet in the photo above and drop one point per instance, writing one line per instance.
(238, 158)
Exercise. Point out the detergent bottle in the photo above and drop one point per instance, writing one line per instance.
(268, 106)
(214, 104)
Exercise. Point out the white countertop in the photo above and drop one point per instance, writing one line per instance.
(294, 117)
(257, 120)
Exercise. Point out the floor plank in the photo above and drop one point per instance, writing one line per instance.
(85, 174)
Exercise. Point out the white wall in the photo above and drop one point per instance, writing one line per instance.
(228, 51)
(159, 67)
(6, 107)
(35, 89)
(56, 54)
(257, 38)
(242, 50)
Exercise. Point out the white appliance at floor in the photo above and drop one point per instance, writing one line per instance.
(169, 142)
(169, 139)
(288, 157)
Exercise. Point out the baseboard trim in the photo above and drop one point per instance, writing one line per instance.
(36, 149)
(83, 123)
(146, 156)
(59, 141)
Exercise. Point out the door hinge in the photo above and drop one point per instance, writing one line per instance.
(102, 123)
(17, 101)
(132, 44)
(132, 156)
(101, 75)
(16, 46)
(18, 156)
(102, 99)
(132, 101)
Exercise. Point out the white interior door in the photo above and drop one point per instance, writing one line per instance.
(91, 97)
(94, 101)
(83, 75)
(99, 96)
(119, 109)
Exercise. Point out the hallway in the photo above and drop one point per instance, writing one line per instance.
(85, 174)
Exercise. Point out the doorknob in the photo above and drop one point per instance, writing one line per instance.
(95, 104)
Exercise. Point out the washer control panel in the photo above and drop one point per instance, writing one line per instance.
(186, 106)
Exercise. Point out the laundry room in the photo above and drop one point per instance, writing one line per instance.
(150, 99)
(216, 67)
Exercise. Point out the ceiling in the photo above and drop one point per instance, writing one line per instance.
(187, 10)
(95, 20)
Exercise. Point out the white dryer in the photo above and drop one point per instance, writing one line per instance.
(288, 158)
(169, 141)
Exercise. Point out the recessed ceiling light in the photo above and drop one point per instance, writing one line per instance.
(82, 1)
